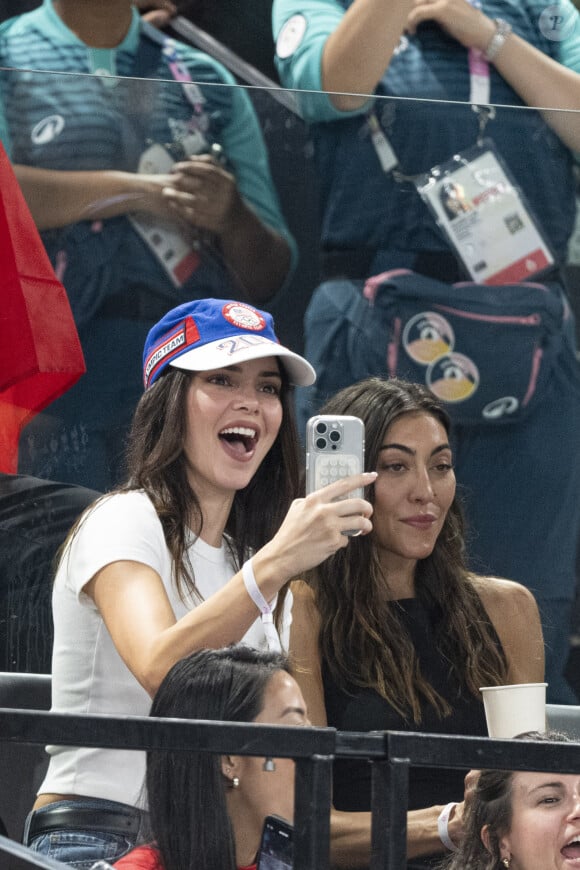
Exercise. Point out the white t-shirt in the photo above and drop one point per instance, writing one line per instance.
(88, 674)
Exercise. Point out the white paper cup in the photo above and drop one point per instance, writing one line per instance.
(513, 710)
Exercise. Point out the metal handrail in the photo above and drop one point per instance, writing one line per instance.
(312, 748)
(391, 753)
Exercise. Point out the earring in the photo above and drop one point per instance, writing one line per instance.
(269, 765)
(505, 862)
(235, 782)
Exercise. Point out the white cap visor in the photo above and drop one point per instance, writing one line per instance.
(241, 348)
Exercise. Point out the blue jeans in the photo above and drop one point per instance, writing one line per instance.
(81, 848)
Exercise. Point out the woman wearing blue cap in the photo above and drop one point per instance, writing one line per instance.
(201, 539)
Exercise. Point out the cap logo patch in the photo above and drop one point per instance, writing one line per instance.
(243, 316)
(184, 336)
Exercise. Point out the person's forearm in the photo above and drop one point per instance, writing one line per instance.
(58, 198)
(544, 83)
(220, 621)
(540, 81)
(423, 834)
(350, 836)
(359, 51)
(257, 256)
(144, 629)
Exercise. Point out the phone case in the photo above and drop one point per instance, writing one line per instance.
(334, 449)
(276, 845)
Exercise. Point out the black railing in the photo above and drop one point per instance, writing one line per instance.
(392, 754)
(403, 750)
(312, 748)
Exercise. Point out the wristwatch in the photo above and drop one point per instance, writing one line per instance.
(496, 43)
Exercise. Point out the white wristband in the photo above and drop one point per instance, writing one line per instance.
(443, 829)
(266, 610)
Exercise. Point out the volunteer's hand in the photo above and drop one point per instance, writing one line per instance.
(205, 195)
(156, 12)
(468, 25)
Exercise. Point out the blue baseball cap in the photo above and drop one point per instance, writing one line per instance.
(212, 333)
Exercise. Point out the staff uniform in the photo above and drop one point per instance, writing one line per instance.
(71, 120)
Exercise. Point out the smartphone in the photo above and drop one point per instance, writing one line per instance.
(335, 448)
(276, 845)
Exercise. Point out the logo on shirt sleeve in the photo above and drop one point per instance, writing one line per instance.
(290, 36)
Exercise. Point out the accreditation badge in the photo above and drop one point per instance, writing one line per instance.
(485, 217)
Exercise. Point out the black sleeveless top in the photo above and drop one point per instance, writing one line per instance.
(364, 710)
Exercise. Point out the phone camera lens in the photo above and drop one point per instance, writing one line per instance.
(334, 436)
(321, 428)
(321, 443)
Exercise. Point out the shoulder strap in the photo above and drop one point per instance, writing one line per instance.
(151, 45)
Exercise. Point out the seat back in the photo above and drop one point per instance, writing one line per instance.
(22, 768)
(564, 717)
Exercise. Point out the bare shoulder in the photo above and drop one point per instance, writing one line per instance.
(302, 592)
(514, 614)
(305, 652)
(304, 608)
(497, 594)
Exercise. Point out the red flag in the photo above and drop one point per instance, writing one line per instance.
(40, 351)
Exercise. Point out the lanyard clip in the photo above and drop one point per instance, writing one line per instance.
(484, 115)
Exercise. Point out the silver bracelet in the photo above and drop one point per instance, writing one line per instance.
(496, 43)
(443, 829)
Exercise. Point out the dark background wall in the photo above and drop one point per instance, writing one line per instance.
(243, 25)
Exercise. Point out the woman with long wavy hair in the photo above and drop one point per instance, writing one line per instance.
(192, 552)
(394, 632)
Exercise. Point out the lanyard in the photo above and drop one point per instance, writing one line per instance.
(479, 97)
(181, 74)
(479, 85)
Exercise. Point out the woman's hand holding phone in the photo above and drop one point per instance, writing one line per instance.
(316, 526)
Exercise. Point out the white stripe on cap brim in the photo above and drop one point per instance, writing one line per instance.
(241, 348)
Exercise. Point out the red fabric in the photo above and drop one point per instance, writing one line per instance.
(141, 858)
(148, 858)
(40, 352)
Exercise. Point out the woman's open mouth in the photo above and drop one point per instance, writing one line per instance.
(239, 441)
(571, 851)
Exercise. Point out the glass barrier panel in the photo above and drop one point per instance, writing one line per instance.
(149, 193)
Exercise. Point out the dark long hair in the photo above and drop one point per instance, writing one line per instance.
(363, 640)
(157, 465)
(186, 790)
(491, 806)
